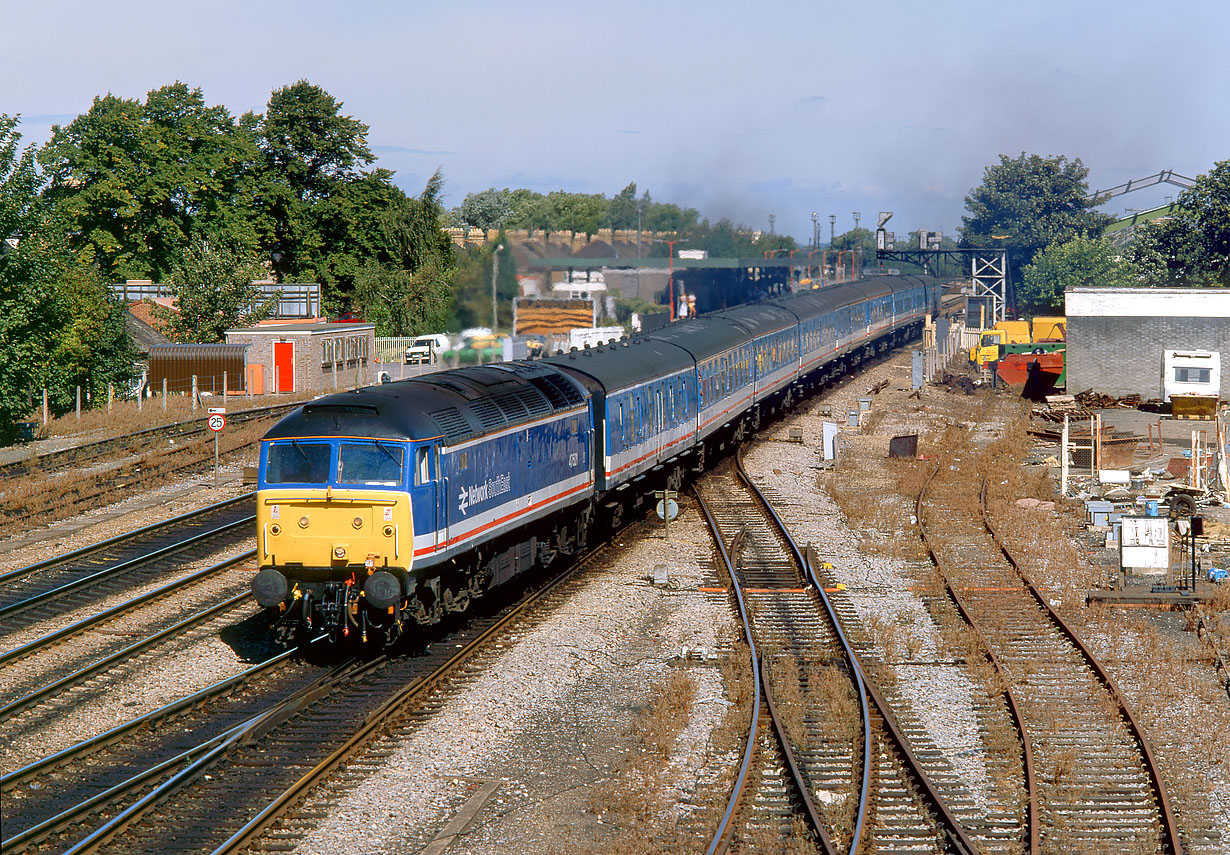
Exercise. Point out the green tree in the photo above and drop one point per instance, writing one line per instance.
(406, 287)
(488, 209)
(1028, 202)
(1080, 261)
(27, 310)
(1191, 247)
(59, 326)
(213, 293)
(318, 213)
(472, 296)
(133, 182)
(623, 209)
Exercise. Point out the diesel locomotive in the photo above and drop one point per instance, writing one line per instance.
(391, 506)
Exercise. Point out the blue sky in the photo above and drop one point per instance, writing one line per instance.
(741, 110)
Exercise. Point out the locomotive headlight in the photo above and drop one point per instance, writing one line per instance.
(388, 531)
(303, 522)
(357, 522)
(339, 552)
(275, 529)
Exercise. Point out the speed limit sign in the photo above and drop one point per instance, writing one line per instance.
(217, 422)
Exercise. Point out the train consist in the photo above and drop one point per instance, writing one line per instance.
(392, 506)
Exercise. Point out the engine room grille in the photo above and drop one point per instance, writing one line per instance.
(489, 415)
(452, 424)
(512, 406)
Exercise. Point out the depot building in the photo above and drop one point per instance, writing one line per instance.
(312, 357)
(1148, 341)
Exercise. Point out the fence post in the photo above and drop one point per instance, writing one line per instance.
(277, 388)
(335, 370)
(194, 393)
(110, 397)
(140, 393)
(224, 388)
(78, 403)
(164, 394)
(46, 410)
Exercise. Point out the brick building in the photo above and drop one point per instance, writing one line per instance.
(1116, 336)
(313, 358)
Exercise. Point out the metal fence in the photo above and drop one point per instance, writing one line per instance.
(392, 349)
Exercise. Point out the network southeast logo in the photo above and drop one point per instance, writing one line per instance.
(489, 489)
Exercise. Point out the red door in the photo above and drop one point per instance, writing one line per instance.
(284, 365)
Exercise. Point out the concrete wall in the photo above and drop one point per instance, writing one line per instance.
(1116, 336)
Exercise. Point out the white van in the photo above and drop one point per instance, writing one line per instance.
(427, 349)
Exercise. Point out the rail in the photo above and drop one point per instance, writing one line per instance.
(1170, 828)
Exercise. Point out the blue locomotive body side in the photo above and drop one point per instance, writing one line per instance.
(505, 480)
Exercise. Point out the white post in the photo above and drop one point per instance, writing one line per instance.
(46, 409)
(1063, 459)
(194, 393)
(164, 394)
(276, 387)
(336, 369)
(110, 397)
(78, 403)
(224, 388)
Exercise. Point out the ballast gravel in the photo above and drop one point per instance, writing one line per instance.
(548, 720)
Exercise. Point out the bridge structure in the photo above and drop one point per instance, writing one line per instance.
(719, 283)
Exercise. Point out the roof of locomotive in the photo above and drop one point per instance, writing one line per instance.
(627, 362)
(457, 405)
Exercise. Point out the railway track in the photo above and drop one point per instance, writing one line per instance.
(1096, 787)
(853, 759)
(49, 804)
(52, 590)
(248, 782)
(89, 453)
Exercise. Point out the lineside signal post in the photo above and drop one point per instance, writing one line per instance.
(216, 422)
(667, 507)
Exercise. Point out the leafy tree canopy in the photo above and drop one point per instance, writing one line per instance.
(405, 287)
(1192, 247)
(577, 212)
(1027, 202)
(59, 328)
(133, 181)
(1081, 261)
